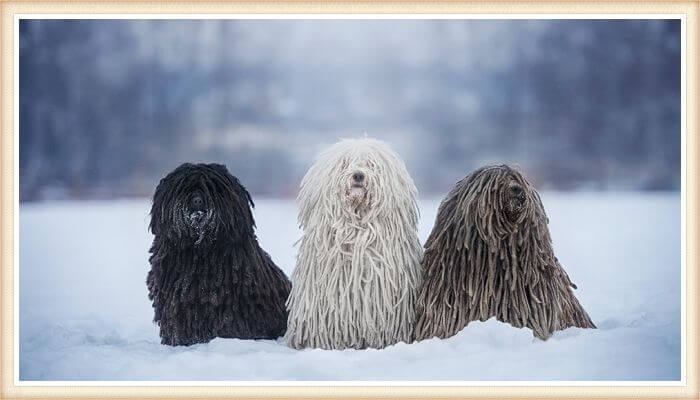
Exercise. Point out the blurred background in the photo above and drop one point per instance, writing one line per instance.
(108, 107)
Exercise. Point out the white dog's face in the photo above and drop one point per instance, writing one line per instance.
(357, 179)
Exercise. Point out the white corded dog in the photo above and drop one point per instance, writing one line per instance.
(358, 267)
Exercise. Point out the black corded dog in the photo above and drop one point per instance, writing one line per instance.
(209, 277)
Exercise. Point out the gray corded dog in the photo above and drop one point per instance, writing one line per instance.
(490, 255)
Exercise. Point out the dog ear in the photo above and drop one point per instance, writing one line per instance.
(155, 208)
(161, 195)
(246, 201)
(245, 193)
(159, 198)
(242, 191)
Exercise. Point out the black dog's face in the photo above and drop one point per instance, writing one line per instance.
(198, 204)
(197, 215)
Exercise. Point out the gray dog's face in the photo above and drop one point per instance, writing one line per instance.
(513, 200)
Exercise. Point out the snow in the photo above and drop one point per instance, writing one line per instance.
(85, 315)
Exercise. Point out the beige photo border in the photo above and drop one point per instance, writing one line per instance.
(8, 9)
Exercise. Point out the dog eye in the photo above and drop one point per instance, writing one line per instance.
(358, 176)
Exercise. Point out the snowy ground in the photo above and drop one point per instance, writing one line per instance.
(84, 313)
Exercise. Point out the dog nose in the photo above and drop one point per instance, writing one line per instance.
(358, 176)
(197, 203)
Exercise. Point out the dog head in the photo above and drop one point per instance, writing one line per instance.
(359, 179)
(198, 204)
(497, 201)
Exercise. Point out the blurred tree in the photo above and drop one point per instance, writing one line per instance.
(107, 107)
